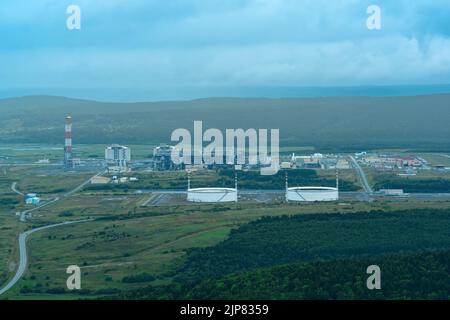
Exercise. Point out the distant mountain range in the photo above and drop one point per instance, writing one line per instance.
(332, 123)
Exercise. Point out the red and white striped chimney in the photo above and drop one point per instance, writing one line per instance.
(68, 143)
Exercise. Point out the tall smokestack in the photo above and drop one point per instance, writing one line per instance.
(68, 143)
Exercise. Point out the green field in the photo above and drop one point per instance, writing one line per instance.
(436, 159)
(32, 152)
(111, 249)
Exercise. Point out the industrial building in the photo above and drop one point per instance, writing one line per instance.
(342, 164)
(32, 198)
(307, 162)
(118, 169)
(319, 161)
(118, 155)
(392, 192)
(162, 158)
(100, 180)
(391, 162)
(286, 165)
(212, 195)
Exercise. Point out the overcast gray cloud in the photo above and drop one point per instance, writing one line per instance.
(159, 44)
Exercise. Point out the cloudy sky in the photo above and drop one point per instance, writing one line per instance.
(175, 45)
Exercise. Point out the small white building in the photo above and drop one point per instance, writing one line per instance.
(342, 164)
(286, 165)
(100, 180)
(392, 192)
(33, 200)
(118, 169)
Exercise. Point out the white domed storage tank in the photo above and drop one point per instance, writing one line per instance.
(212, 195)
(311, 194)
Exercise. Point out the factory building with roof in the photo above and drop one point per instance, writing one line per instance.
(118, 155)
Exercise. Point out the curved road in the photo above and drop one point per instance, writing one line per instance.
(23, 251)
(14, 189)
(23, 236)
(78, 188)
(24, 214)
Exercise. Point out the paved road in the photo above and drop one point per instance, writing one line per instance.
(181, 191)
(23, 251)
(26, 213)
(23, 236)
(362, 176)
(78, 188)
(14, 189)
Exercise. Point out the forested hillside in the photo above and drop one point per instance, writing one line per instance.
(319, 256)
(414, 276)
(273, 240)
(333, 123)
(424, 275)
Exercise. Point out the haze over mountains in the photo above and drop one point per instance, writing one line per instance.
(343, 123)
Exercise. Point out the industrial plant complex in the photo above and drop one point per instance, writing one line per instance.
(118, 167)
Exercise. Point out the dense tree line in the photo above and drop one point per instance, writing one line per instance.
(279, 240)
(413, 185)
(9, 202)
(142, 277)
(424, 275)
(301, 177)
